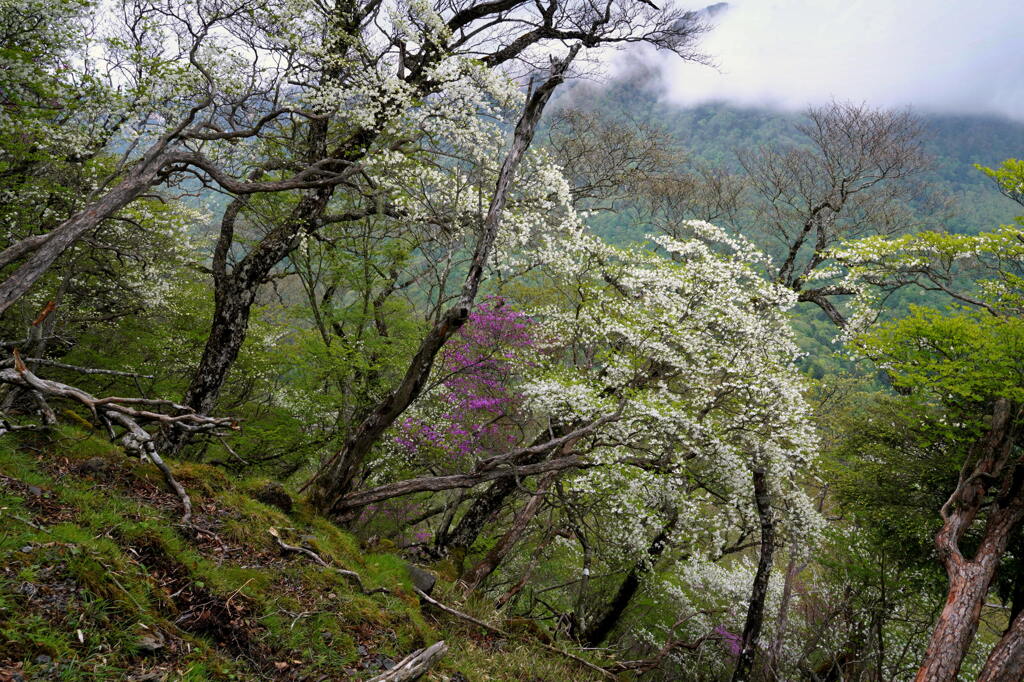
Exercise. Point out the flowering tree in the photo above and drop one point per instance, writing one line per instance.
(962, 367)
(475, 405)
(585, 28)
(659, 383)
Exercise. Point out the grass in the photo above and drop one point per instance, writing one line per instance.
(99, 582)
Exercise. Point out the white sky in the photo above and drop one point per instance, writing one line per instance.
(935, 55)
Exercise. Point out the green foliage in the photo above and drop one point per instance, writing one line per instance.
(1009, 177)
(961, 360)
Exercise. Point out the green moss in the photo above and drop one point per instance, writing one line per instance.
(93, 557)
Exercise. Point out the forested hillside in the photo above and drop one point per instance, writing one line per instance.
(714, 133)
(950, 193)
(379, 341)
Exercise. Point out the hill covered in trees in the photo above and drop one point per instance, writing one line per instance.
(715, 133)
(368, 341)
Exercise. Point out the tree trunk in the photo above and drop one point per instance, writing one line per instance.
(487, 504)
(755, 611)
(46, 249)
(484, 507)
(603, 625)
(1005, 662)
(476, 575)
(958, 622)
(775, 651)
(234, 294)
(970, 580)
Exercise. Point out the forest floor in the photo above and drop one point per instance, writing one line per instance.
(100, 581)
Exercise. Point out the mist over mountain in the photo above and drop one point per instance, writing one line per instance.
(715, 131)
(939, 57)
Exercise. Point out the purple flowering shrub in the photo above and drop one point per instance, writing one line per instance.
(473, 410)
(730, 640)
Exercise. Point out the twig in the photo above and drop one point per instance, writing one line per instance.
(351, 575)
(479, 623)
(79, 369)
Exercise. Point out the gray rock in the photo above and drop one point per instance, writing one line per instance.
(421, 579)
(151, 642)
(94, 465)
(274, 494)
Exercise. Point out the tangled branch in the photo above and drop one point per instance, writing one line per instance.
(114, 411)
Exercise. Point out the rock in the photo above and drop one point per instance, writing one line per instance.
(94, 465)
(43, 659)
(422, 580)
(274, 494)
(151, 641)
(35, 491)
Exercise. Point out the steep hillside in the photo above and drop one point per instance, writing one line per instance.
(99, 581)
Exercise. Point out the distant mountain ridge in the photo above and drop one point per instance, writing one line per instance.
(713, 132)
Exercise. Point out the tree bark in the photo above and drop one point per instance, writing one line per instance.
(755, 611)
(476, 575)
(970, 579)
(1005, 662)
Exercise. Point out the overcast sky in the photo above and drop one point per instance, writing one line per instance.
(936, 55)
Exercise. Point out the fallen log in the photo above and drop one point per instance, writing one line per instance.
(415, 665)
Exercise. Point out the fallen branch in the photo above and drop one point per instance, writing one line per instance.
(351, 575)
(498, 631)
(136, 440)
(414, 665)
(506, 465)
(80, 370)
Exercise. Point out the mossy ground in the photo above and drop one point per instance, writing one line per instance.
(98, 581)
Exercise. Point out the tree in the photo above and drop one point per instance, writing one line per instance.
(186, 87)
(643, 394)
(847, 181)
(627, 23)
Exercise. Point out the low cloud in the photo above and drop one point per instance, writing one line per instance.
(934, 55)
